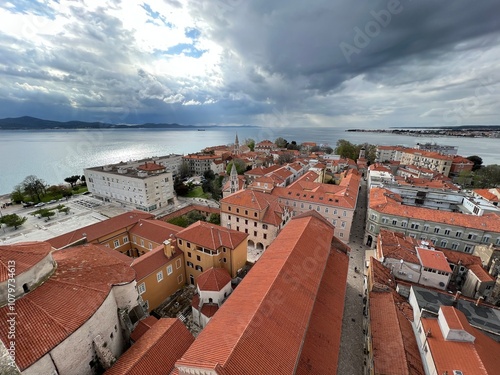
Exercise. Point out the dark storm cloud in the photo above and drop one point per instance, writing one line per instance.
(370, 62)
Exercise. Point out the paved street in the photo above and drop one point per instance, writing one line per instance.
(351, 348)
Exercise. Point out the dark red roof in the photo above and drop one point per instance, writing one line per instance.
(150, 167)
(142, 327)
(82, 281)
(151, 261)
(262, 326)
(155, 230)
(25, 255)
(98, 230)
(213, 280)
(156, 351)
(212, 236)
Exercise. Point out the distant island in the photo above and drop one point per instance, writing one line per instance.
(33, 123)
(472, 131)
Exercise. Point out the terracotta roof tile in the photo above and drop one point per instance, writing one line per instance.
(152, 260)
(155, 230)
(212, 236)
(481, 273)
(384, 201)
(209, 309)
(433, 259)
(150, 167)
(252, 323)
(25, 255)
(213, 279)
(322, 342)
(95, 231)
(142, 327)
(395, 350)
(472, 358)
(156, 351)
(82, 281)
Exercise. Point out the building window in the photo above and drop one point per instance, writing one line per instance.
(385, 220)
(486, 239)
(334, 222)
(146, 304)
(246, 222)
(178, 264)
(189, 254)
(237, 210)
(426, 228)
(169, 269)
(150, 246)
(394, 222)
(255, 233)
(371, 227)
(444, 243)
(229, 208)
(341, 234)
(159, 276)
(373, 216)
(497, 242)
(472, 236)
(188, 244)
(404, 224)
(229, 217)
(190, 264)
(437, 229)
(246, 212)
(125, 239)
(255, 214)
(265, 236)
(142, 242)
(246, 230)
(326, 210)
(237, 219)
(468, 248)
(255, 224)
(343, 224)
(199, 268)
(454, 246)
(198, 258)
(344, 213)
(224, 260)
(141, 288)
(116, 243)
(458, 234)
(180, 241)
(179, 279)
(447, 232)
(414, 226)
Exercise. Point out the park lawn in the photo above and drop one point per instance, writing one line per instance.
(197, 192)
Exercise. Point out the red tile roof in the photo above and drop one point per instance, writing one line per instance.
(64, 302)
(487, 194)
(258, 201)
(152, 260)
(151, 167)
(25, 255)
(209, 309)
(396, 245)
(384, 201)
(213, 280)
(155, 230)
(212, 236)
(481, 273)
(271, 310)
(324, 334)
(394, 347)
(142, 327)
(95, 231)
(156, 351)
(433, 259)
(472, 358)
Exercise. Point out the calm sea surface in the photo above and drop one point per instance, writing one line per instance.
(55, 154)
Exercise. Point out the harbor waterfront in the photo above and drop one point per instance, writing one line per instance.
(53, 155)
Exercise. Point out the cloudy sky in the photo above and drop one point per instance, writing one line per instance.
(263, 62)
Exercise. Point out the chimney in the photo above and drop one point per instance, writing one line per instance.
(455, 298)
(167, 248)
(478, 301)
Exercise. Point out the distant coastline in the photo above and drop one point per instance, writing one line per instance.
(33, 123)
(466, 131)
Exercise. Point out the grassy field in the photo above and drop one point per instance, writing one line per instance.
(197, 192)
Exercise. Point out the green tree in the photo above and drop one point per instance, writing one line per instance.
(184, 169)
(65, 210)
(293, 146)
(250, 143)
(194, 216)
(209, 175)
(315, 149)
(281, 142)
(478, 162)
(72, 180)
(346, 149)
(487, 177)
(240, 165)
(181, 221)
(464, 178)
(83, 180)
(47, 214)
(17, 195)
(285, 157)
(214, 219)
(13, 220)
(328, 149)
(34, 187)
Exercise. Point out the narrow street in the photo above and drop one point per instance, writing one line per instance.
(351, 348)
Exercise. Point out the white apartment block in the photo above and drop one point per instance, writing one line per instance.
(145, 187)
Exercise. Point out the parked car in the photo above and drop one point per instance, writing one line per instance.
(28, 204)
(52, 201)
(41, 204)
